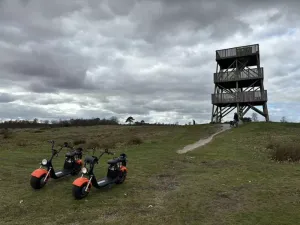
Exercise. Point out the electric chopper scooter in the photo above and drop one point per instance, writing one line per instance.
(72, 166)
(116, 174)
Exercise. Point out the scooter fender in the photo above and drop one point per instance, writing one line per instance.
(123, 169)
(80, 181)
(39, 172)
(79, 162)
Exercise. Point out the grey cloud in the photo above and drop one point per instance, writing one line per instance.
(55, 46)
(53, 101)
(172, 17)
(62, 70)
(48, 68)
(14, 111)
(183, 107)
(5, 98)
(41, 87)
(122, 8)
(142, 105)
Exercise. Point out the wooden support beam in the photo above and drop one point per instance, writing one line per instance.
(229, 111)
(244, 113)
(257, 110)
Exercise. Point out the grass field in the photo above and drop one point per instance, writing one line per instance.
(229, 181)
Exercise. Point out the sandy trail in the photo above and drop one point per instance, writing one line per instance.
(202, 142)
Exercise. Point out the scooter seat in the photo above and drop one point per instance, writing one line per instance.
(70, 154)
(73, 153)
(114, 161)
(90, 160)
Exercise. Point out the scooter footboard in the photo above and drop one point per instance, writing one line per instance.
(39, 172)
(80, 181)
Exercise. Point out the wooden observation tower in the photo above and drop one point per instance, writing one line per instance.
(239, 83)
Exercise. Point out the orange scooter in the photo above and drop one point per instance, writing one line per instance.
(116, 174)
(72, 166)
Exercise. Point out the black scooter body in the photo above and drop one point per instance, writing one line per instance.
(72, 165)
(111, 177)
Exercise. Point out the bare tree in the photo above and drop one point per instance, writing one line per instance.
(283, 120)
(254, 117)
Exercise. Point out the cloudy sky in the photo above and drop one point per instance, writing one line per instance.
(153, 60)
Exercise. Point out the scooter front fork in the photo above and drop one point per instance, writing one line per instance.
(46, 177)
(87, 187)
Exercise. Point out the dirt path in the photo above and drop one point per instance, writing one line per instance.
(202, 142)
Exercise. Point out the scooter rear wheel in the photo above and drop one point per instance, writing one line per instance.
(121, 178)
(37, 183)
(79, 192)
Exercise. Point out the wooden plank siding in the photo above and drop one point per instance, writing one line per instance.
(246, 74)
(237, 52)
(240, 97)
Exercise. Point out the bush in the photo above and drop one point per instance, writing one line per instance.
(38, 131)
(135, 141)
(6, 133)
(284, 151)
(79, 141)
(108, 144)
(246, 119)
(22, 143)
(93, 144)
(101, 144)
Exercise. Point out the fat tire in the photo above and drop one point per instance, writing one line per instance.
(78, 191)
(36, 182)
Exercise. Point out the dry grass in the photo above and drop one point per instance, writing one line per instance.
(150, 182)
(284, 150)
(232, 180)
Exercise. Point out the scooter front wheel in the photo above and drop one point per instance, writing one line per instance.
(79, 191)
(38, 183)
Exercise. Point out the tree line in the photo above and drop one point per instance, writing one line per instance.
(74, 122)
(58, 123)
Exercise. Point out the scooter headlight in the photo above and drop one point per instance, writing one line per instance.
(84, 170)
(44, 162)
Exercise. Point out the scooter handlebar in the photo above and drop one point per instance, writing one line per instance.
(108, 152)
(55, 152)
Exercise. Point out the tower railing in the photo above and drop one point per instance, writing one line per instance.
(237, 51)
(240, 97)
(247, 74)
